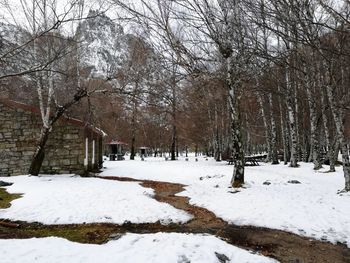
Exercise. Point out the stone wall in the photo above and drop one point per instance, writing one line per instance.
(65, 149)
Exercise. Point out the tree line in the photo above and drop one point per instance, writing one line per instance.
(290, 58)
(228, 78)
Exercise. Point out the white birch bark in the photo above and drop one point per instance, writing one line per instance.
(296, 120)
(274, 153)
(340, 132)
(266, 126)
(313, 124)
(238, 152)
(291, 119)
(283, 129)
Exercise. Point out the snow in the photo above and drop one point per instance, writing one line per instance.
(159, 247)
(170, 171)
(64, 199)
(312, 208)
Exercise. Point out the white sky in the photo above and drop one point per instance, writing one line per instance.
(14, 11)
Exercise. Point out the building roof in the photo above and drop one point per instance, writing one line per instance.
(116, 142)
(63, 118)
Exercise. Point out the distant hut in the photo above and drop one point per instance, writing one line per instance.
(144, 151)
(116, 150)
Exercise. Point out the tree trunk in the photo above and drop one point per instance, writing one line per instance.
(329, 141)
(340, 132)
(297, 122)
(307, 150)
(238, 153)
(177, 147)
(173, 148)
(237, 146)
(274, 153)
(283, 130)
(173, 144)
(132, 150)
(291, 119)
(334, 157)
(266, 126)
(248, 144)
(39, 154)
(217, 138)
(315, 144)
(133, 132)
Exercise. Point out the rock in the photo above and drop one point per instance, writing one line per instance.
(127, 223)
(222, 257)
(234, 192)
(183, 259)
(324, 238)
(115, 236)
(2, 183)
(266, 183)
(294, 182)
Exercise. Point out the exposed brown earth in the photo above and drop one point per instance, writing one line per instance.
(283, 246)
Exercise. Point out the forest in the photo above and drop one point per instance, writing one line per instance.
(225, 78)
(175, 131)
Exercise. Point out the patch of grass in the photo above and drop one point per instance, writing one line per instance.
(6, 198)
(95, 234)
(82, 233)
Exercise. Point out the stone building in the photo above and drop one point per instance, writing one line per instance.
(73, 146)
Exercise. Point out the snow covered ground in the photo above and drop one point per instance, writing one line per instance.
(159, 247)
(64, 199)
(312, 208)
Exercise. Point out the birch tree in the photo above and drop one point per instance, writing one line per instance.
(221, 24)
(48, 46)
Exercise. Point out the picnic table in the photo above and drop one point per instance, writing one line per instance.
(249, 160)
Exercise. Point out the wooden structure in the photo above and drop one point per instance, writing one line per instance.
(116, 150)
(250, 160)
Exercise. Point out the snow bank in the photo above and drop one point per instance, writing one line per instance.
(312, 208)
(185, 172)
(64, 199)
(160, 247)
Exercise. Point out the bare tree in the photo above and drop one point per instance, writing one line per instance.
(215, 28)
(48, 47)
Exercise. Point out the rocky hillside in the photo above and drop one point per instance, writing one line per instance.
(103, 45)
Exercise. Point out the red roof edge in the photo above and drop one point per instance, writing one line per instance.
(116, 142)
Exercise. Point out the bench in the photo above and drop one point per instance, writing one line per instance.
(251, 161)
(248, 161)
(230, 161)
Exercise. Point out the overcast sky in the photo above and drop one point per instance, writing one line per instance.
(13, 11)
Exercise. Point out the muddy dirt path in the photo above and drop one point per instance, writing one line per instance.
(283, 246)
